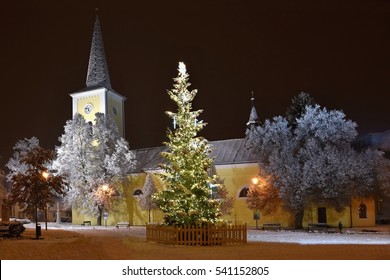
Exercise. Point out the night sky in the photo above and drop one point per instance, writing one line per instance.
(338, 53)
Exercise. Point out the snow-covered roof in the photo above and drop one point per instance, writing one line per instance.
(230, 151)
(148, 159)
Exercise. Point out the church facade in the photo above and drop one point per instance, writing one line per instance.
(234, 163)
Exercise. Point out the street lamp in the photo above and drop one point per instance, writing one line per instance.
(256, 213)
(255, 180)
(105, 189)
(45, 175)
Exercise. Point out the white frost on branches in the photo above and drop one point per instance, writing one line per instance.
(89, 157)
(315, 161)
(21, 148)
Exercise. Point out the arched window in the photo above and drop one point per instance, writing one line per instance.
(244, 192)
(362, 211)
(137, 192)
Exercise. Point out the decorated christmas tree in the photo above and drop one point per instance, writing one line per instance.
(187, 199)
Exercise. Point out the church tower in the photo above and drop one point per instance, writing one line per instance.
(98, 96)
(253, 121)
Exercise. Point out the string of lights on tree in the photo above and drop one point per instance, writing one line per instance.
(187, 199)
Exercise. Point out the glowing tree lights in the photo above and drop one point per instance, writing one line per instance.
(187, 199)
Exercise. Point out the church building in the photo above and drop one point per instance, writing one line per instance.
(234, 162)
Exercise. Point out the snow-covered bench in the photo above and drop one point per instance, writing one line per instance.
(123, 224)
(276, 226)
(317, 226)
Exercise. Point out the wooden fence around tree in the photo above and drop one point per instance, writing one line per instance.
(197, 235)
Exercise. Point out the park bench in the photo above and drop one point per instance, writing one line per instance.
(123, 224)
(4, 230)
(86, 223)
(311, 227)
(275, 226)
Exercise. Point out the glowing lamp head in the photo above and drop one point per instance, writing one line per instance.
(45, 174)
(255, 180)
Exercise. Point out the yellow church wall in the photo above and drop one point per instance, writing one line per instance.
(236, 177)
(141, 217)
(333, 217)
(95, 101)
(357, 221)
(117, 113)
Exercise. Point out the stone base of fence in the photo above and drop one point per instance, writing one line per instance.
(196, 235)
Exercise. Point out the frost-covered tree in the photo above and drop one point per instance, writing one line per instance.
(94, 159)
(315, 162)
(297, 108)
(112, 160)
(146, 201)
(187, 199)
(35, 186)
(21, 148)
(74, 162)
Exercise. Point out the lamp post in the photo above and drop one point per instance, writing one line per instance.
(256, 213)
(45, 175)
(105, 189)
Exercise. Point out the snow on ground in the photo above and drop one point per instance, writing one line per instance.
(377, 235)
(306, 238)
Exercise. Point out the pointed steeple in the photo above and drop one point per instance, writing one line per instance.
(253, 117)
(97, 68)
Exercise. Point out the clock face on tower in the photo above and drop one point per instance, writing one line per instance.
(88, 108)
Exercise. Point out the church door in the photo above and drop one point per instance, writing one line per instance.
(322, 214)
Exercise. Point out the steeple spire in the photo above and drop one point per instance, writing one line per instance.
(253, 117)
(97, 68)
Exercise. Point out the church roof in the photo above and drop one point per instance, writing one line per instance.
(97, 74)
(231, 151)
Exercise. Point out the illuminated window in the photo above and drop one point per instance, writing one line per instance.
(244, 192)
(137, 192)
(362, 211)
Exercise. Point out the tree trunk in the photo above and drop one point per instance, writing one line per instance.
(299, 219)
(99, 218)
(37, 231)
(58, 216)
